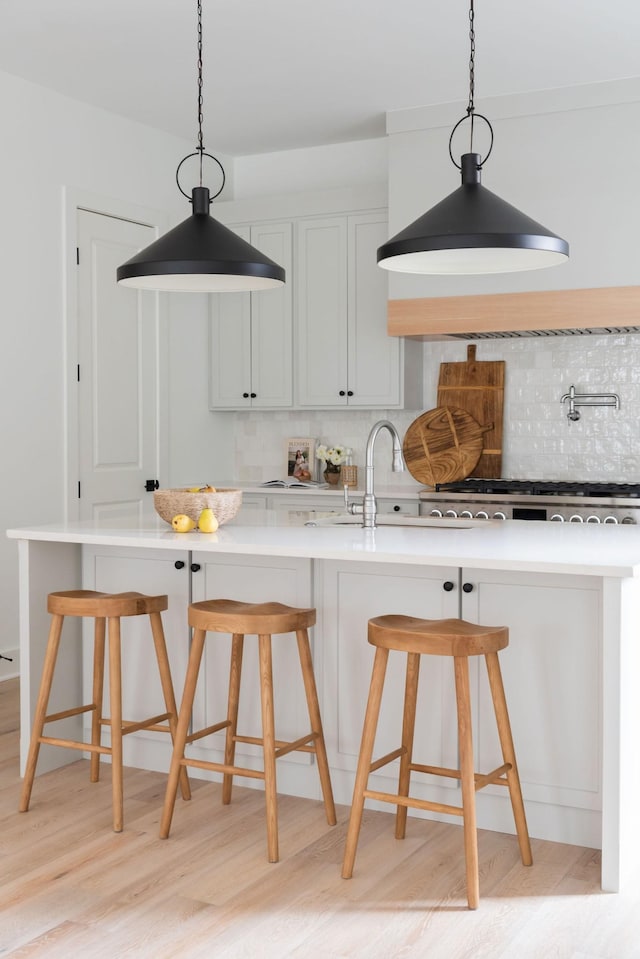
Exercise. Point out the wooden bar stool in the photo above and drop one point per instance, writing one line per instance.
(263, 620)
(102, 607)
(446, 637)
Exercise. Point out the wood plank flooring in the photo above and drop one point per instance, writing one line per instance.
(70, 887)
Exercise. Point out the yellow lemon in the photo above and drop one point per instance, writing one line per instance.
(182, 523)
(194, 489)
(207, 521)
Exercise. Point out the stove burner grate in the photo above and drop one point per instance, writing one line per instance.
(541, 488)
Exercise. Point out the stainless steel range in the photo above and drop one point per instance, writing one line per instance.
(503, 499)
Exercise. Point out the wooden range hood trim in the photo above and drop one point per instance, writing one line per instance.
(585, 309)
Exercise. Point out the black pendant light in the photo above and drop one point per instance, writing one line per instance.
(472, 230)
(200, 255)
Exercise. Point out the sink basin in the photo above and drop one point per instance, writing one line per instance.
(390, 519)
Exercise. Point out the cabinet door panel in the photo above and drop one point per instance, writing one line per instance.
(352, 594)
(230, 347)
(552, 677)
(271, 323)
(374, 357)
(153, 572)
(321, 299)
(256, 580)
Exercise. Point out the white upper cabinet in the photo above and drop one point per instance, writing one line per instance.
(344, 355)
(250, 334)
(322, 312)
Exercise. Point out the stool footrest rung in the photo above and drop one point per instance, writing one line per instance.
(299, 744)
(75, 711)
(132, 726)
(73, 744)
(280, 744)
(413, 803)
(388, 759)
(481, 779)
(496, 777)
(209, 731)
(222, 768)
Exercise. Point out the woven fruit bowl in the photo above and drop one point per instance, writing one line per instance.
(225, 503)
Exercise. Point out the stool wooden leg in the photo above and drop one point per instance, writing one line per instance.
(115, 691)
(364, 761)
(269, 746)
(313, 706)
(508, 754)
(235, 674)
(51, 654)
(465, 743)
(182, 729)
(408, 727)
(98, 693)
(167, 690)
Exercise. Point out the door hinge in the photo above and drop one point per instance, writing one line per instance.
(77, 256)
(78, 489)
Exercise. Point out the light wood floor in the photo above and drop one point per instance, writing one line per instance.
(70, 887)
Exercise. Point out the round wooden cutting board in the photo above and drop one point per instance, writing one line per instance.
(443, 445)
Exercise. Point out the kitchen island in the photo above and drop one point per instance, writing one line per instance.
(569, 593)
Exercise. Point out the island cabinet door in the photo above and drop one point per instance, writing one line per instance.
(351, 594)
(155, 572)
(254, 579)
(552, 671)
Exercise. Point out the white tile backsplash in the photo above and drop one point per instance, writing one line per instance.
(538, 439)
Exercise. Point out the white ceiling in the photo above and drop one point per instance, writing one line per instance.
(281, 74)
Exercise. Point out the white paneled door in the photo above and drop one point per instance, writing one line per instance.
(118, 373)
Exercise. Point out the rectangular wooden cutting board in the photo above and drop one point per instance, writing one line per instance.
(478, 387)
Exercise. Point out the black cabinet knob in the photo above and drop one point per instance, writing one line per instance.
(245, 396)
(448, 586)
(349, 392)
(195, 567)
(179, 564)
(467, 587)
(396, 509)
(342, 393)
(253, 396)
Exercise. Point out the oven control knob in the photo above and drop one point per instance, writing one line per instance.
(482, 514)
(610, 519)
(435, 512)
(452, 513)
(557, 518)
(466, 514)
(576, 519)
(628, 521)
(499, 515)
(592, 519)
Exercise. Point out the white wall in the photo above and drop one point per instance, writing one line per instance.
(50, 142)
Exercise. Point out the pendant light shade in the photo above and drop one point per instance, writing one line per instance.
(472, 231)
(200, 255)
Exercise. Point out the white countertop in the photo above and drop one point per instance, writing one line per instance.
(591, 550)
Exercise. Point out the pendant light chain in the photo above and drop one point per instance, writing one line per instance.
(200, 116)
(472, 70)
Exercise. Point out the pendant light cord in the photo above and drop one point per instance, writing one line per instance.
(472, 70)
(200, 151)
(471, 110)
(200, 99)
